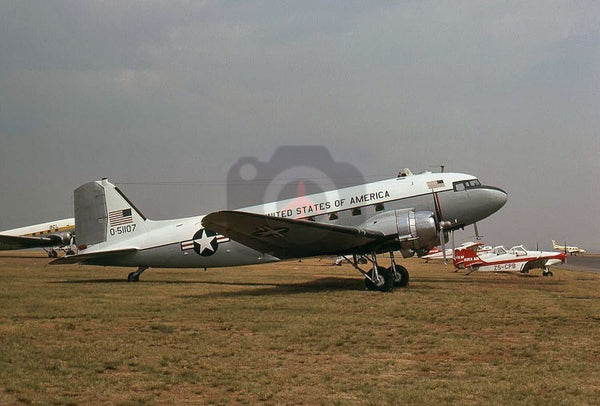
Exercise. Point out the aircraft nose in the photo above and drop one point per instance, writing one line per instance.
(496, 198)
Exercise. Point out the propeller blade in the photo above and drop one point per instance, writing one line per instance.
(443, 241)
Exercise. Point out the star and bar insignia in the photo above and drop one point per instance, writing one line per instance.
(204, 242)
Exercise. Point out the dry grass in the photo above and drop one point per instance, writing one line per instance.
(295, 333)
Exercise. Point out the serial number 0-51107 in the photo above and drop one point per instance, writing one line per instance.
(124, 229)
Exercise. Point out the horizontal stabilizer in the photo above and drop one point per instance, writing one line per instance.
(90, 258)
(289, 238)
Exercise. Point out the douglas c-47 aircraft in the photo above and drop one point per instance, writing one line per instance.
(51, 235)
(410, 214)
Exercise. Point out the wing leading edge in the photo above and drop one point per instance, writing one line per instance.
(289, 238)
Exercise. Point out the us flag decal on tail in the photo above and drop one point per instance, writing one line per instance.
(120, 217)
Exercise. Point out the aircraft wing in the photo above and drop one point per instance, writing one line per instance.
(91, 257)
(289, 238)
(22, 242)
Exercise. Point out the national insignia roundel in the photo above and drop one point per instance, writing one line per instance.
(205, 242)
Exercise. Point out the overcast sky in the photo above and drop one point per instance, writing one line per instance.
(155, 91)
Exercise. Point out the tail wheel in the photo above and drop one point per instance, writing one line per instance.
(384, 281)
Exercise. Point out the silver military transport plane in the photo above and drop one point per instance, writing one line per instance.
(410, 214)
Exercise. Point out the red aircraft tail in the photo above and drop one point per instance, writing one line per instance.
(465, 258)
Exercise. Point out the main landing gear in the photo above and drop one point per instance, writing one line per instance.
(380, 278)
(547, 272)
(135, 276)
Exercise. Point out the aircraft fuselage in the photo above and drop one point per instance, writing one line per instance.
(457, 199)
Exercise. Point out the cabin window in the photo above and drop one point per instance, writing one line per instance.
(379, 207)
(356, 212)
(333, 216)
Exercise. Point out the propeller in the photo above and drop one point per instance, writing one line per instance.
(442, 224)
(453, 245)
(443, 241)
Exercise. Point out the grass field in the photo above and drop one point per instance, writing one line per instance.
(295, 333)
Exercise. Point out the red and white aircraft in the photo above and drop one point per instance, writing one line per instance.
(501, 260)
(437, 253)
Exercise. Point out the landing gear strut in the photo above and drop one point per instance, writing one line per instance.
(135, 276)
(400, 273)
(380, 278)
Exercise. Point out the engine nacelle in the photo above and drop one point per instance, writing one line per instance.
(66, 238)
(414, 231)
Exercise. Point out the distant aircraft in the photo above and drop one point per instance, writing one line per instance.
(436, 253)
(515, 259)
(409, 214)
(568, 249)
(50, 236)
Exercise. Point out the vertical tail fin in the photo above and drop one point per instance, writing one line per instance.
(466, 257)
(104, 214)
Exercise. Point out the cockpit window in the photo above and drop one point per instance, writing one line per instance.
(519, 251)
(499, 250)
(466, 184)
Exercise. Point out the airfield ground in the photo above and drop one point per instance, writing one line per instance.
(295, 333)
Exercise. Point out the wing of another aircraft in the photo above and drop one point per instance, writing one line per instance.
(289, 238)
(22, 242)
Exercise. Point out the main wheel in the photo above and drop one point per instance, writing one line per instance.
(384, 282)
(132, 277)
(400, 277)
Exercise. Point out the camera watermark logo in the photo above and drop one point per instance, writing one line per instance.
(291, 176)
